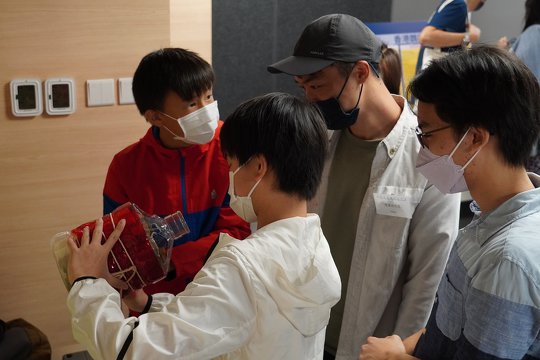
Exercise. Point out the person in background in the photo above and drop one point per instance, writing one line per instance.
(178, 165)
(389, 230)
(527, 48)
(488, 301)
(447, 30)
(391, 69)
(527, 45)
(266, 297)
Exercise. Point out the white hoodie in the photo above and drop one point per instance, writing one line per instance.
(266, 297)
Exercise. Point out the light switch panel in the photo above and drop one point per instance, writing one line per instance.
(100, 92)
(125, 94)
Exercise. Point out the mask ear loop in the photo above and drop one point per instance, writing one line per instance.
(357, 101)
(258, 181)
(253, 188)
(459, 143)
(472, 158)
(132, 268)
(175, 136)
(345, 84)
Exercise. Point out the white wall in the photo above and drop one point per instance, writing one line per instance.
(497, 18)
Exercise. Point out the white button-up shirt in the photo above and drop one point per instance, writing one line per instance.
(406, 228)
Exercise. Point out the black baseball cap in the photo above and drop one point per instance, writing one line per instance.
(330, 38)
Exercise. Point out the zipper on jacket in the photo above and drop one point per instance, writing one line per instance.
(183, 183)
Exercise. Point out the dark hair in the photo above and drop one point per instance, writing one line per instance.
(532, 13)
(170, 69)
(489, 88)
(288, 131)
(345, 68)
(390, 68)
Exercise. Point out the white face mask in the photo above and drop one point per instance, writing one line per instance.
(199, 126)
(441, 171)
(242, 205)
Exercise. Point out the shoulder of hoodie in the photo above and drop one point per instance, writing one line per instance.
(284, 237)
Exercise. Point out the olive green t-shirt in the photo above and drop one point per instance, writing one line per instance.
(347, 183)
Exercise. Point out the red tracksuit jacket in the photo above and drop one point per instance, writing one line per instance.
(162, 181)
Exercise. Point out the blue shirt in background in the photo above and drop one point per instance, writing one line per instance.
(451, 16)
(527, 48)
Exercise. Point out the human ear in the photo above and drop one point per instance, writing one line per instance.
(361, 70)
(480, 137)
(231, 161)
(261, 165)
(153, 117)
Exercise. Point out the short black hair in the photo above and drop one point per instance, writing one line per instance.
(489, 88)
(288, 131)
(170, 69)
(344, 68)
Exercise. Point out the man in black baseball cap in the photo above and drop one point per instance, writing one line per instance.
(335, 39)
(389, 231)
(327, 40)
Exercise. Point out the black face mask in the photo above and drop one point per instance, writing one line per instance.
(334, 116)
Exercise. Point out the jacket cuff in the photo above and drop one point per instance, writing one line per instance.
(83, 278)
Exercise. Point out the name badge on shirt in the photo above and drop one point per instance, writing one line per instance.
(396, 201)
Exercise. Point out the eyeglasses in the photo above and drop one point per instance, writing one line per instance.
(421, 135)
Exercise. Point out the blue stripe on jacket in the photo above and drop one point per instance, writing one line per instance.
(200, 223)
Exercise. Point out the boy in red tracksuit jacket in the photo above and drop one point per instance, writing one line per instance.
(178, 164)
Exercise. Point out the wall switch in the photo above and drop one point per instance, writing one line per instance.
(100, 92)
(125, 94)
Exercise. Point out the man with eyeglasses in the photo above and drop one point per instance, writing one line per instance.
(421, 135)
(389, 230)
(488, 301)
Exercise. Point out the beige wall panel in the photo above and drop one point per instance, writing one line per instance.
(191, 26)
(52, 169)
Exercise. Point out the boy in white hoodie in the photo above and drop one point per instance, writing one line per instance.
(267, 297)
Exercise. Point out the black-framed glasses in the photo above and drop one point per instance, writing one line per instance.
(421, 135)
